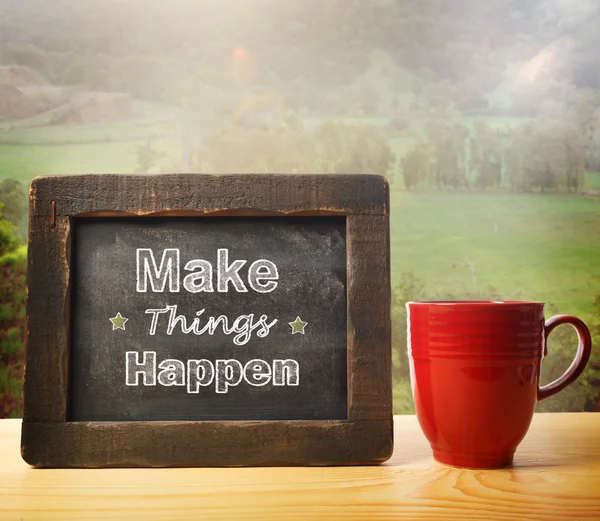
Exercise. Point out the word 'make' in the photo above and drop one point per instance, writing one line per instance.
(262, 273)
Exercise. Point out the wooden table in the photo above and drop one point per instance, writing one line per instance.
(556, 475)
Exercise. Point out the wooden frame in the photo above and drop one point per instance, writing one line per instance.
(366, 437)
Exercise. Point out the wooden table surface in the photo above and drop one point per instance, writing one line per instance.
(556, 475)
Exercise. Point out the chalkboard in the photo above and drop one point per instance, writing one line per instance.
(178, 320)
(148, 344)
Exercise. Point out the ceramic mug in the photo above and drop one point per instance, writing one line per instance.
(475, 371)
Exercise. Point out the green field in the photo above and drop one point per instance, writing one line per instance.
(24, 162)
(531, 246)
(593, 181)
(101, 148)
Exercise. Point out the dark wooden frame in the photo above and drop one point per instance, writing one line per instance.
(366, 437)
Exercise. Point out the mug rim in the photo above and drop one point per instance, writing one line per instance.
(491, 303)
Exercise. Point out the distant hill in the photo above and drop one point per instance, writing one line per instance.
(19, 76)
(27, 100)
(211, 55)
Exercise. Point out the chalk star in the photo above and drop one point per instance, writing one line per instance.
(118, 322)
(298, 326)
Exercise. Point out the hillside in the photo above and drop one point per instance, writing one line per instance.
(480, 57)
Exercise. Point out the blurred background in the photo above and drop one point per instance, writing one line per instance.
(484, 116)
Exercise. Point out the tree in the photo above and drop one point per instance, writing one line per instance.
(367, 150)
(547, 155)
(574, 158)
(448, 153)
(486, 156)
(515, 156)
(589, 124)
(436, 136)
(330, 148)
(415, 167)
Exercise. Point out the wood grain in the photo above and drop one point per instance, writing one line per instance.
(556, 476)
(369, 319)
(189, 194)
(47, 326)
(206, 443)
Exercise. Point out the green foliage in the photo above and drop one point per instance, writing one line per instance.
(13, 196)
(8, 240)
(486, 156)
(584, 392)
(14, 257)
(447, 145)
(587, 115)
(331, 148)
(402, 397)
(10, 387)
(13, 205)
(13, 260)
(415, 167)
(537, 155)
(409, 288)
(12, 343)
(353, 149)
(545, 155)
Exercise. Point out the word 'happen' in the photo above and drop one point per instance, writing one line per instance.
(203, 373)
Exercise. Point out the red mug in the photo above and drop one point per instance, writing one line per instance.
(475, 371)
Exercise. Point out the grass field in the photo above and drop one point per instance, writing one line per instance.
(593, 181)
(99, 148)
(24, 162)
(530, 246)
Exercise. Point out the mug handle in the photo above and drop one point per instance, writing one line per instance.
(584, 350)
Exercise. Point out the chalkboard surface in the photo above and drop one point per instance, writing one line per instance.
(208, 319)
